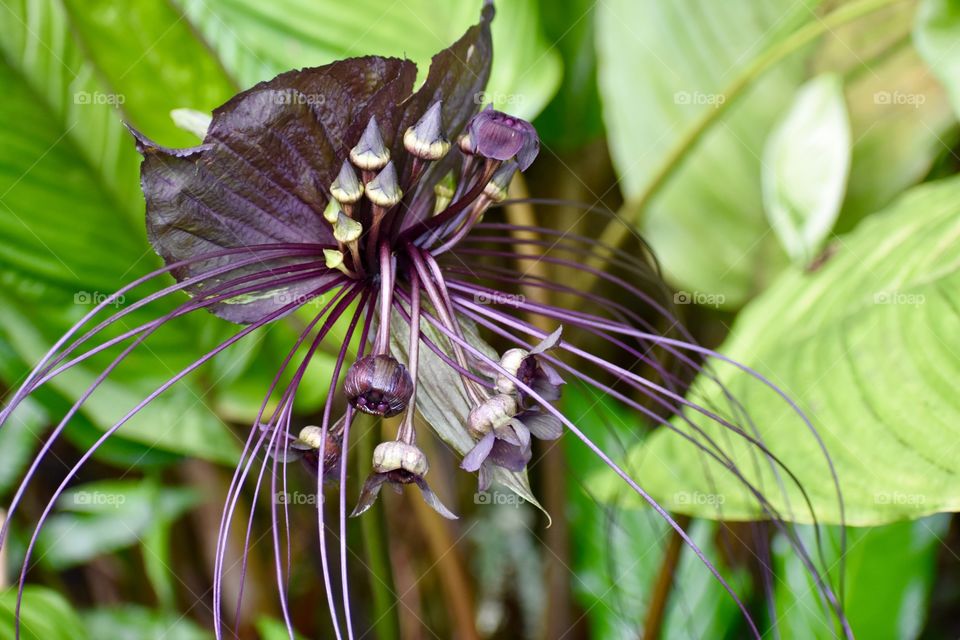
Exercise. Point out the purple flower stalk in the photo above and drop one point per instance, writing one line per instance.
(343, 184)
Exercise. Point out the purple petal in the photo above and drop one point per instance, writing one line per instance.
(500, 136)
(510, 456)
(369, 493)
(542, 425)
(479, 453)
(431, 499)
(549, 342)
(262, 173)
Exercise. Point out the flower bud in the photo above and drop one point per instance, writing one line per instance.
(346, 229)
(424, 139)
(311, 443)
(347, 187)
(399, 456)
(497, 135)
(496, 189)
(511, 361)
(384, 189)
(493, 413)
(370, 154)
(378, 385)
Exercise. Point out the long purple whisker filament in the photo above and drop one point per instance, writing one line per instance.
(285, 310)
(477, 353)
(827, 592)
(716, 453)
(89, 391)
(231, 500)
(25, 387)
(308, 272)
(342, 301)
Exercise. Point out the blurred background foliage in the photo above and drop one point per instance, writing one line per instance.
(793, 166)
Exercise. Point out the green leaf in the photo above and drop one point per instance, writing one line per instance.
(662, 67)
(139, 623)
(805, 167)
(257, 40)
(889, 576)
(936, 32)
(45, 615)
(867, 346)
(19, 438)
(618, 550)
(102, 517)
(71, 213)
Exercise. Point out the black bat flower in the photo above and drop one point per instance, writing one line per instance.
(345, 184)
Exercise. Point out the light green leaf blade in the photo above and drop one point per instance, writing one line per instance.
(46, 615)
(257, 40)
(805, 168)
(890, 572)
(936, 33)
(663, 66)
(867, 346)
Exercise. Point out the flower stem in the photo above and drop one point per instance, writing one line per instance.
(618, 230)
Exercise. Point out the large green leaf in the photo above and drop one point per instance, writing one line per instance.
(45, 615)
(665, 68)
(868, 346)
(936, 33)
(662, 66)
(889, 576)
(257, 40)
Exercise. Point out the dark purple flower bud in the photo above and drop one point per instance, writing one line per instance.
(497, 135)
(370, 154)
(347, 188)
(424, 139)
(384, 189)
(378, 385)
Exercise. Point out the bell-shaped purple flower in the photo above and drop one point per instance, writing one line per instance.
(500, 136)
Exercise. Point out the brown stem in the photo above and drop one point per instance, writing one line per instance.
(662, 586)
